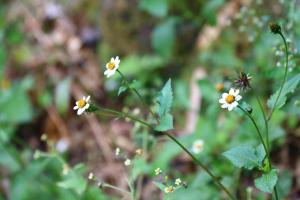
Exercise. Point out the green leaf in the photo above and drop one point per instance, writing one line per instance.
(157, 8)
(288, 87)
(245, 156)
(166, 123)
(267, 182)
(15, 106)
(210, 10)
(75, 181)
(163, 37)
(62, 95)
(122, 89)
(165, 99)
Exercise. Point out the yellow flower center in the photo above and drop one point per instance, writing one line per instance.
(81, 103)
(198, 146)
(111, 65)
(230, 99)
(170, 189)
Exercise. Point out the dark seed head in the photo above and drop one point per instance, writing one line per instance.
(243, 81)
(275, 28)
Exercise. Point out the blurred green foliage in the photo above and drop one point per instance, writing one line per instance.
(50, 176)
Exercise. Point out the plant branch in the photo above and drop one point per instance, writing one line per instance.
(135, 91)
(198, 162)
(284, 77)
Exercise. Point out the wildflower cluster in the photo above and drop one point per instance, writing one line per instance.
(169, 185)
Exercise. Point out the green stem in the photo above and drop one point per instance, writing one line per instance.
(284, 77)
(262, 140)
(276, 193)
(133, 90)
(116, 188)
(258, 131)
(265, 121)
(125, 115)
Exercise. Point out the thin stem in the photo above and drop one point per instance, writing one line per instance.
(135, 91)
(200, 164)
(116, 188)
(265, 121)
(124, 115)
(276, 193)
(258, 131)
(284, 77)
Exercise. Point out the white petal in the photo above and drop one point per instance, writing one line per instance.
(238, 97)
(230, 107)
(235, 104)
(80, 111)
(224, 95)
(236, 92)
(83, 98)
(87, 98)
(231, 91)
(106, 72)
(75, 107)
(112, 60)
(86, 106)
(222, 100)
(225, 105)
(117, 60)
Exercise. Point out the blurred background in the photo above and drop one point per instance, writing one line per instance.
(53, 52)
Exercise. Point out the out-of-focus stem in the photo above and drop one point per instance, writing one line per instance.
(198, 162)
(284, 76)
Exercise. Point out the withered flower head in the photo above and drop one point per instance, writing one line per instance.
(275, 28)
(243, 81)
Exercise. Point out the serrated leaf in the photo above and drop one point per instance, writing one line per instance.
(165, 99)
(166, 123)
(245, 156)
(267, 182)
(288, 87)
(157, 8)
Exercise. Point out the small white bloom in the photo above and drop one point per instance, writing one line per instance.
(117, 151)
(82, 105)
(157, 171)
(112, 66)
(198, 146)
(91, 176)
(178, 181)
(169, 189)
(230, 100)
(127, 162)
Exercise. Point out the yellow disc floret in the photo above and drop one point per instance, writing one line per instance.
(111, 65)
(230, 99)
(81, 103)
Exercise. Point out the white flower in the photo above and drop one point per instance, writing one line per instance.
(127, 162)
(91, 176)
(198, 146)
(169, 189)
(157, 171)
(112, 66)
(230, 100)
(178, 181)
(82, 105)
(117, 152)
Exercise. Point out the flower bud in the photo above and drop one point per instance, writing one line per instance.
(275, 28)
